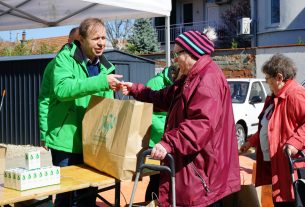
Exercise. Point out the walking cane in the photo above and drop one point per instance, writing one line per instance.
(3, 94)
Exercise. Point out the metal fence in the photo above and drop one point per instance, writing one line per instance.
(20, 78)
(176, 29)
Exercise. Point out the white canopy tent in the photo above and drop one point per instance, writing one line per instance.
(28, 14)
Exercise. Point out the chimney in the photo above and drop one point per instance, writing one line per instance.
(23, 36)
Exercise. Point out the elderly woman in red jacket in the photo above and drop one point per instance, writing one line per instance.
(282, 125)
(200, 130)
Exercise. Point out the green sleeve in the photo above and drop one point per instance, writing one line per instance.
(70, 81)
(44, 98)
(156, 83)
(158, 118)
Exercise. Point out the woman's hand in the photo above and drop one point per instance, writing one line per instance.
(158, 152)
(290, 149)
(245, 147)
(126, 87)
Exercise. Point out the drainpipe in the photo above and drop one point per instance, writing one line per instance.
(167, 40)
(253, 6)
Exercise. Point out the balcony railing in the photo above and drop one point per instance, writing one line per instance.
(176, 29)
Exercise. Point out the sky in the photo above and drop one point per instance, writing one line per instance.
(12, 35)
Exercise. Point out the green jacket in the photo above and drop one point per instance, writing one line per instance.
(44, 99)
(71, 90)
(161, 80)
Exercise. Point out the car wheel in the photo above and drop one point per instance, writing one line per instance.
(241, 135)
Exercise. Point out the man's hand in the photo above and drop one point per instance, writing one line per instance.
(126, 87)
(113, 82)
(290, 149)
(158, 152)
(245, 147)
(43, 144)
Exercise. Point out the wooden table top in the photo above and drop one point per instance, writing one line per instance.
(72, 178)
(89, 175)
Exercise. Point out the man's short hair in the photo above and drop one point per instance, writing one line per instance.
(73, 30)
(86, 26)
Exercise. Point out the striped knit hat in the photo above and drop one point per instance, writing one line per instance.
(195, 43)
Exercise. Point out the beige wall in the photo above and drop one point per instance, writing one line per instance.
(296, 53)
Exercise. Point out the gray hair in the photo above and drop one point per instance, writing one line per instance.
(279, 63)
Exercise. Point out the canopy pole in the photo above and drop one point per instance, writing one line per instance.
(167, 40)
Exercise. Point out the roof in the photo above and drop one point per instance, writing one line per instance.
(37, 46)
(110, 55)
(125, 57)
(56, 42)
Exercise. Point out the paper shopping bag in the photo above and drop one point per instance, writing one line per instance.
(114, 132)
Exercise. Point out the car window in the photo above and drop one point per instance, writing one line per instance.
(238, 91)
(266, 86)
(257, 90)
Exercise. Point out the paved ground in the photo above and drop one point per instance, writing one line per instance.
(15, 158)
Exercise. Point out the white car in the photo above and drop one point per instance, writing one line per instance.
(248, 97)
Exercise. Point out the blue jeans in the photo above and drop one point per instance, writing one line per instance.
(62, 159)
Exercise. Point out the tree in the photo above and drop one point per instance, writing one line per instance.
(228, 32)
(118, 31)
(143, 38)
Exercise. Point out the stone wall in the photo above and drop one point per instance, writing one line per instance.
(247, 62)
(235, 63)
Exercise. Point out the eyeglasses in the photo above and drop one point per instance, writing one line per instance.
(174, 55)
(267, 78)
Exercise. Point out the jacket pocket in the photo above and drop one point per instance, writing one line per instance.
(63, 122)
(71, 110)
(203, 181)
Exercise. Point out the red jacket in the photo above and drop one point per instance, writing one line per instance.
(199, 133)
(286, 126)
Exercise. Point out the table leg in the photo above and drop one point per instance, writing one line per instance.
(117, 193)
(92, 196)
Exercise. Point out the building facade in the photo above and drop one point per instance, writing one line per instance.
(278, 22)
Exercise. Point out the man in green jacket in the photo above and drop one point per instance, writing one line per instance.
(80, 70)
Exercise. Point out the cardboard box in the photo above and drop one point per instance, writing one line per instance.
(2, 159)
(32, 159)
(23, 179)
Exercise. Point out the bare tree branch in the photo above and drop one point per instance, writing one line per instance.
(118, 31)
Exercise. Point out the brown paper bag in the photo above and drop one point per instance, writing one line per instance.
(114, 132)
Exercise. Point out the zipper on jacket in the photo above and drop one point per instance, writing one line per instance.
(201, 178)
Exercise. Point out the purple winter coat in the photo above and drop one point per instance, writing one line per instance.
(199, 133)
